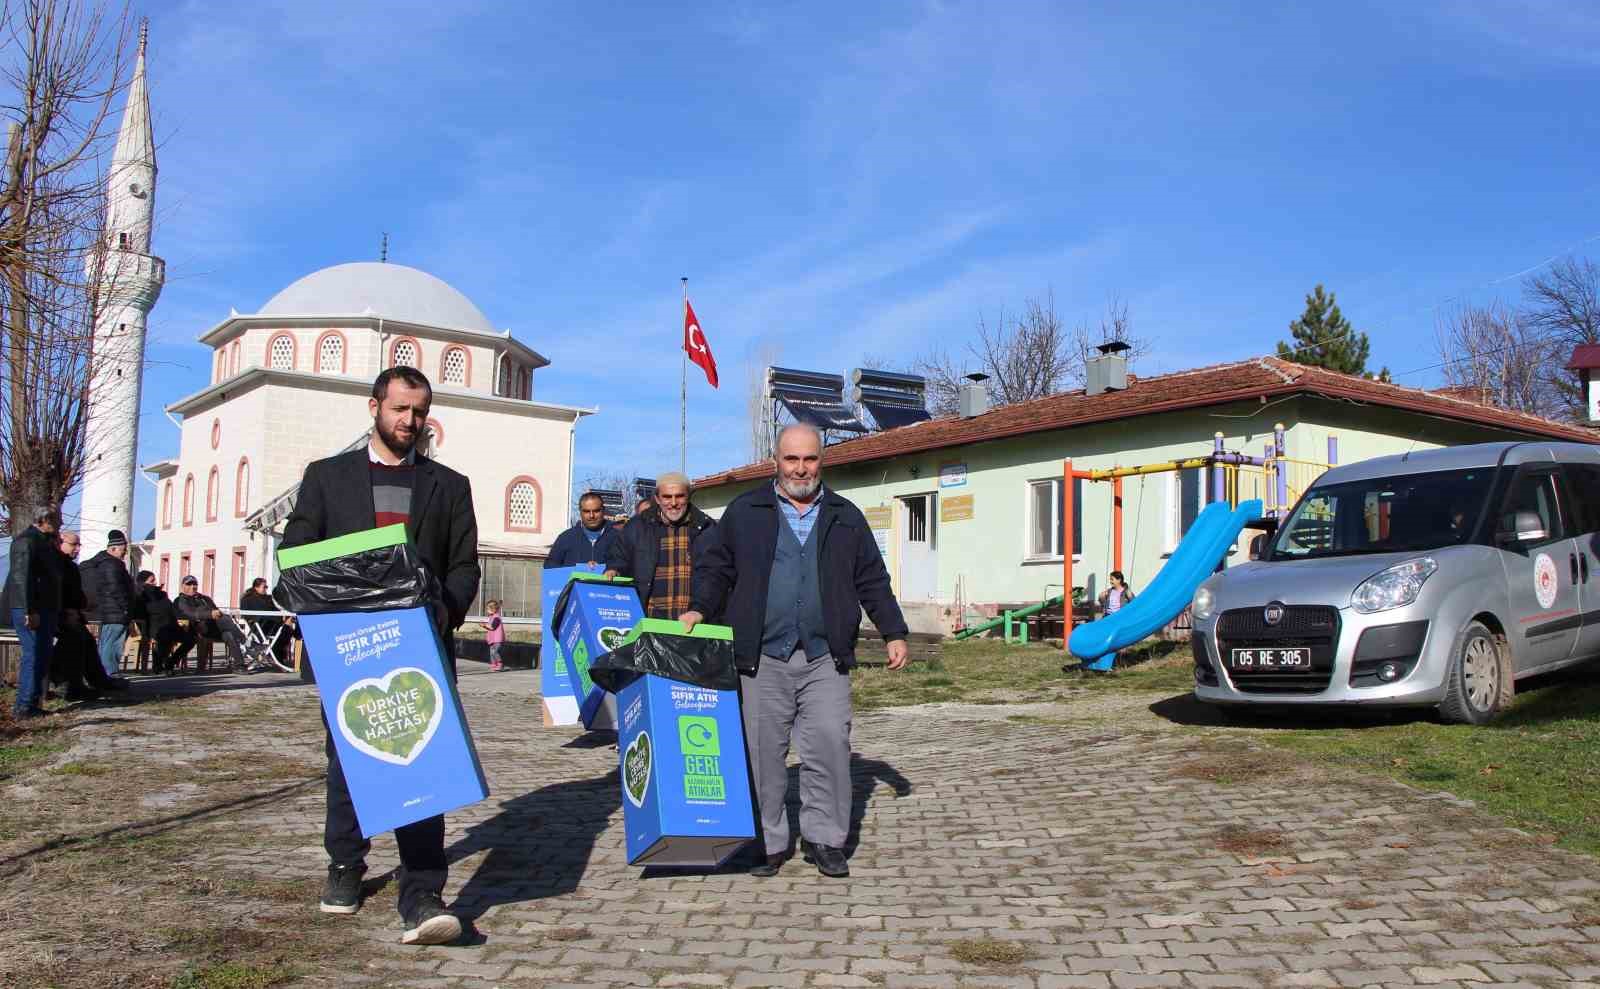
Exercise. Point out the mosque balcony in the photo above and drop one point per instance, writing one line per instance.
(134, 279)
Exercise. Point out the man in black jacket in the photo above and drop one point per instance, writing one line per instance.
(386, 483)
(160, 620)
(75, 661)
(791, 567)
(587, 542)
(110, 587)
(659, 549)
(33, 600)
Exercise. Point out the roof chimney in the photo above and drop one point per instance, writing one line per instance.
(973, 397)
(1109, 371)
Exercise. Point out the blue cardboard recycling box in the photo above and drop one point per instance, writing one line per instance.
(599, 614)
(557, 695)
(390, 702)
(685, 786)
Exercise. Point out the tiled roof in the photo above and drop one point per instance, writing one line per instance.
(1263, 377)
(1584, 356)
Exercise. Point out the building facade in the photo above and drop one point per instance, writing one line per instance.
(969, 511)
(290, 384)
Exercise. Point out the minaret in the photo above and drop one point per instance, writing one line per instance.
(131, 282)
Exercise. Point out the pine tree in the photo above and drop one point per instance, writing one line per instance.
(1322, 337)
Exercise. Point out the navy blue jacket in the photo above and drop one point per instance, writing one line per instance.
(573, 547)
(637, 548)
(732, 576)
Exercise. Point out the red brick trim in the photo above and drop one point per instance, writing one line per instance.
(344, 351)
(294, 350)
(233, 359)
(241, 488)
(213, 494)
(238, 564)
(166, 505)
(188, 500)
(466, 354)
(538, 513)
(395, 345)
(216, 433)
(165, 573)
(208, 574)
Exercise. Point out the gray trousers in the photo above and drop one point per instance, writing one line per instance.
(808, 700)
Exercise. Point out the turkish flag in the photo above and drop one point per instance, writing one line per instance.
(695, 345)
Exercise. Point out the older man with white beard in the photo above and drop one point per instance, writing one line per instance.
(790, 568)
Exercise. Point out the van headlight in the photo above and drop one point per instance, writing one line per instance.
(1395, 587)
(1204, 603)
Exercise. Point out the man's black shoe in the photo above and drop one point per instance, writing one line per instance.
(342, 892)
(431, 923)
(829, 861)
(769, 866)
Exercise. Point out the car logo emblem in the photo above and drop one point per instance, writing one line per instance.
(1272, 614)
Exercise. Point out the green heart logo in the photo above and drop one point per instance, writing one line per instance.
(392, 719)
(636, 769)
(580, 663)
(610, 638)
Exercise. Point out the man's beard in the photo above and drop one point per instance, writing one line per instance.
(801, 490)
(393, 442)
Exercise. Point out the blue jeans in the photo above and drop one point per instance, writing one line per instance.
(35, 671)
(112, 639)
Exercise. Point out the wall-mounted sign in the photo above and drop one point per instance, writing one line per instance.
(952, 475)
(878, 517)
(956, 508)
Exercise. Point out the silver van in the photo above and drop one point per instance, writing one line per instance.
(1436, 578)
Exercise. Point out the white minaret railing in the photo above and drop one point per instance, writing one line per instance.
(131, 281)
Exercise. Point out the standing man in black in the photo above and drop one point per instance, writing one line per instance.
(33, 600)
(386, 483)
(587, 542)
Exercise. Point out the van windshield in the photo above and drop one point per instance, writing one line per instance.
(1402, 514)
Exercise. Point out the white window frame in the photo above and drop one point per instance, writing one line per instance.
(1028, 556)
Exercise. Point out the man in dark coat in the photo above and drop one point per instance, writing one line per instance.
(659, 548)
(33, 600)
(110, 587)
(791, 568)
(161, 628)
(587, 542)
(75, 661)
(385, 483)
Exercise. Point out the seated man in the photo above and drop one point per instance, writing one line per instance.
(197, 613)
(169, 640)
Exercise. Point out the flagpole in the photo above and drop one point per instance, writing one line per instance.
(683, 391)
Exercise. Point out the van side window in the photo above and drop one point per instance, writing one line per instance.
(1534, 492)
(1584, 482)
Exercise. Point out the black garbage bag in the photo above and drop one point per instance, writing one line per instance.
(659, 646)
(377, 579)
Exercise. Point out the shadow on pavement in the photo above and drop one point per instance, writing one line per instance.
(1184, 709)
(539, 844)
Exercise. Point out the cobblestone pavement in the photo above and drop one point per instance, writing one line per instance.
(991, 853)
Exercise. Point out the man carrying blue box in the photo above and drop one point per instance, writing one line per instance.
(387, 483)
(790, 568)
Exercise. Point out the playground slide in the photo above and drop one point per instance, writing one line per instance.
(1216, 529)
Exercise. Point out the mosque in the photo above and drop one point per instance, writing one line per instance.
(289, 384)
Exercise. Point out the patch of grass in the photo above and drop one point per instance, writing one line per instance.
(1250, 842)
(80, 769)
(1534, 766)
(233, 975)
(990, 951)
(987, 671)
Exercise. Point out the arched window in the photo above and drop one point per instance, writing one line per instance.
(525, 384)
(188, 500)
(330, 353)
(222, 366)
(453, 366)
(505, 378)
(213, 482)
(406, 352)
(233, 358)
(216, 433)
(241, 488)
(281, 354)
(524, 505)
(166, 506)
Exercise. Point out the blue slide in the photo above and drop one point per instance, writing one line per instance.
(1216, 529)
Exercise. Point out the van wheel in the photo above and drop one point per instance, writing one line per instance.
(1477, 686)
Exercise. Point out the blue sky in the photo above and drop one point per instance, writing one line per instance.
(853, 179)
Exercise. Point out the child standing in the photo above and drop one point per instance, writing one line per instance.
(494, 635)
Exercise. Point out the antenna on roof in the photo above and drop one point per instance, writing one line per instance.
(383, 251)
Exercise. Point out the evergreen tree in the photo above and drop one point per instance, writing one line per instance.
(1322, 337)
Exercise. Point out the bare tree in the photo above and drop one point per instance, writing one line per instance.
(1562, 304)
(1025, 357)
(1503, 358)
(66, 62)
(760, 355)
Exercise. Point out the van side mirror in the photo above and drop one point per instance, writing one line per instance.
(1258, 546)
(1526, 527)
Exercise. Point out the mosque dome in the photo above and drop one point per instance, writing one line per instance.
(392, 291)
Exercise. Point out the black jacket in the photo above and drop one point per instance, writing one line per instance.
(637, 547)
(158, 610)
(195, 607)
(72, 596)
(573, 547)
(34, 583)
(110, 588)
(732, 578)
(335, 499)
